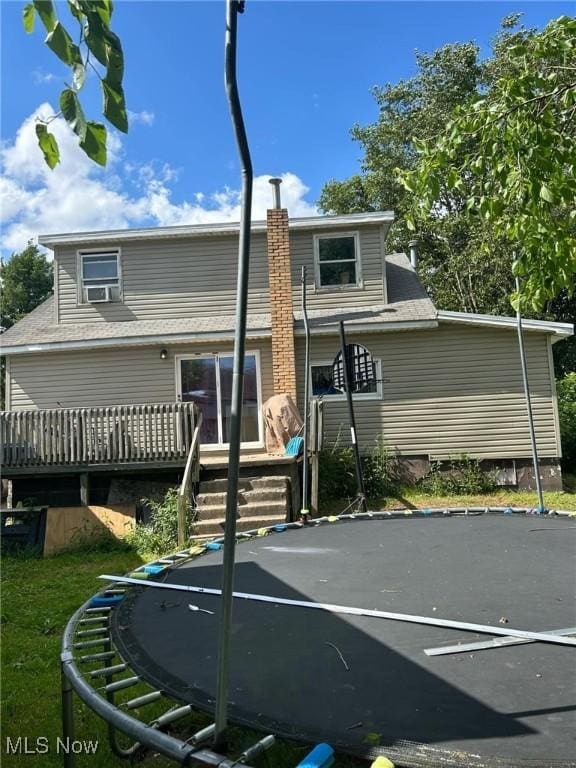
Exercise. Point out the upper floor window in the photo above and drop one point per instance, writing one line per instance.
(100, 276)
(337, 261)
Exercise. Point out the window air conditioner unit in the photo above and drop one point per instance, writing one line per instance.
(97, 294)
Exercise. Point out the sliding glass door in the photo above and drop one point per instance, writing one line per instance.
(207, 381)
(198, 384)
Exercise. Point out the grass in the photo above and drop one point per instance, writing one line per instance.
(414, 498)
(38, 598)
(40, 595)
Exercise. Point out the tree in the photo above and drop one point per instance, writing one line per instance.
(98, 48)
(567, 413)
(563, 309)
(26, 280)
(465, 262)
(511, 153)
(456, 274)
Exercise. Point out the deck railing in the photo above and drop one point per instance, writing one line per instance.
(119, 434)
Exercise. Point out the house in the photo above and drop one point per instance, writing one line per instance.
(145, 317)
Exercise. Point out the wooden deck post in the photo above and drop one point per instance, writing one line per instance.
(182, 504)
(314, 462)
(84, 489)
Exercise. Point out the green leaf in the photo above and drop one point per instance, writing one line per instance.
(95, 36)
(115, 70)
(72, 111)
(45, 9)
(95, 142)
(102, 8)
(78, 76)
(59, 41)
(75, 9)
(28, 17)
(546, 194)
(114, 106)
(452, 178)
(48, 144)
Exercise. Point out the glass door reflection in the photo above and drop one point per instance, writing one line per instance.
(207, 381)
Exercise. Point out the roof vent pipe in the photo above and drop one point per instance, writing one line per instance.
(276, 191)
(413, 244)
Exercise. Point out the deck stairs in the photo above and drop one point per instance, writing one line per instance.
(262, 501)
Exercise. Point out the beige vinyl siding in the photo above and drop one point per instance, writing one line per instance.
(448, 391)
(102, 377)
(372, 261)
(197, 278)
(169, 279)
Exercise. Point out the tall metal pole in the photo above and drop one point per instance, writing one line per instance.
(345, 369)
(233, 8)
(305, 468)
(528, 401)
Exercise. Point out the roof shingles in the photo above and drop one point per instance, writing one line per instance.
(407, 302)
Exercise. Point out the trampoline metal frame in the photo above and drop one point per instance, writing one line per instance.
(149, 734)
(144, 735)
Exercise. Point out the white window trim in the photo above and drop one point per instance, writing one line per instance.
(359, 285)
(224, 353)
(80, 272)
(378, 395)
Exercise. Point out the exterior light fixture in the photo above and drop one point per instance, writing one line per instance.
(163, 354)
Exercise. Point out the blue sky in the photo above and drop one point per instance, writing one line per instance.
(305, 69)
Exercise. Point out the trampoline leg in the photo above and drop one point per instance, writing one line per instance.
(67, 717)
(115, 748)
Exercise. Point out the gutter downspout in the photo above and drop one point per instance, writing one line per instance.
(305, 511)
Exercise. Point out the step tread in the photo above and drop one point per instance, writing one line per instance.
(241, 507)
(220, 485)
(250, 522)
(244, 497)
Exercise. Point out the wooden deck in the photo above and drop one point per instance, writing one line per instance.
(220, 460)
(123, 437)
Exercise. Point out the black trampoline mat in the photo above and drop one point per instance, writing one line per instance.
(502, 706)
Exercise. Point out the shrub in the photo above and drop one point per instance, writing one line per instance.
(566, 388)
(382, 472)
(337, 478)
(337, 475)
(462, 475)
(160, 534)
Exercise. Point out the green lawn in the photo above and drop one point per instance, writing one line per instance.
(39, 596)
(413, 497)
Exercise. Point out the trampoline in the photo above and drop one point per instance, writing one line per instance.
(364, 684)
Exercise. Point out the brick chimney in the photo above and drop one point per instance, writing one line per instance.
(283, 358)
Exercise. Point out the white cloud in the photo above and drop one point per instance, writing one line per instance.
(40, 77)
(144, 117)
(79, 196)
